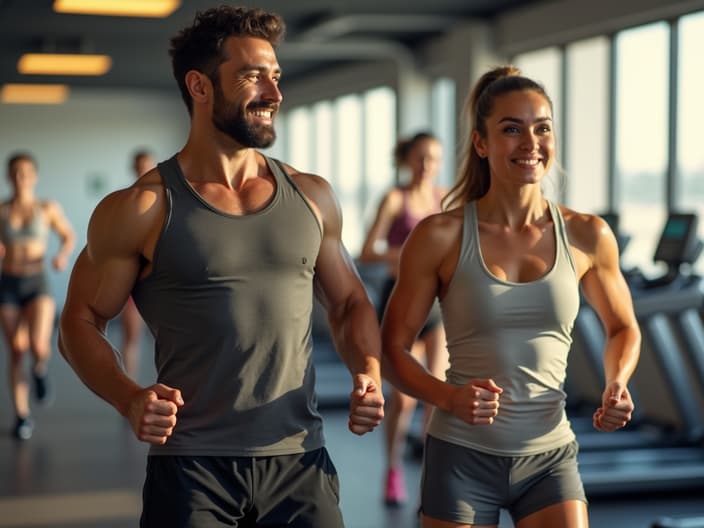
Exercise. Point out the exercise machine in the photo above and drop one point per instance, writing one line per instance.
(628, 460)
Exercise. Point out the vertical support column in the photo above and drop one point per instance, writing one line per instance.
(671, 178)
(612, 192)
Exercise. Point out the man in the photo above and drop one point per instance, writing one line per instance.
(222, 249)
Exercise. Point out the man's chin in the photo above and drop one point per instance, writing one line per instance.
(263, 140)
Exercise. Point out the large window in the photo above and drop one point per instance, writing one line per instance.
(348, 141)
(443, 116)
(348, 167)
(379, 142)
(642, 68)
(299, 144)
(323, 141)
(641, 123)
(587, 107)
(690, 152)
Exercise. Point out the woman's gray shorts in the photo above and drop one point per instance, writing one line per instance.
(467, 486)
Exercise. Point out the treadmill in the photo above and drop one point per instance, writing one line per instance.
(586, 361)
(632, 460)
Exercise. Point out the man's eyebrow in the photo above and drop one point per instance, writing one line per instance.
(259, 68)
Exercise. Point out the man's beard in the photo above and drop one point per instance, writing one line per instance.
(233, 122)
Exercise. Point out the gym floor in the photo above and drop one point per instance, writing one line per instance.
(83, 468)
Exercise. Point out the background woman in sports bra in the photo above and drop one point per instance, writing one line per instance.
(26, 305)
(507, 265)
(399, 212)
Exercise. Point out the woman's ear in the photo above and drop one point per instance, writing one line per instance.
(479, 144)
(199, 86)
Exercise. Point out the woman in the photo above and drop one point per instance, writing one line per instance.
(26, 306)
(507, 266)
(399, 212)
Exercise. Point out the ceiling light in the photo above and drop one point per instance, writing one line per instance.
(135, 8)
(63, 64)
(34, 93)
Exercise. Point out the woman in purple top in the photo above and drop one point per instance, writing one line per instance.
(400, 210)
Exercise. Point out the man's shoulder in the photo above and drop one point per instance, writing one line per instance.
(150, 178)
(311, 184)
(294, 173)
(139, 199)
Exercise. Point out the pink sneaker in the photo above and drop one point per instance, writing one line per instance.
(395, 492)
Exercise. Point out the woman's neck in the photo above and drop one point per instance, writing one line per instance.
(23, 198)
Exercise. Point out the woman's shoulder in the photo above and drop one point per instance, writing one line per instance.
(392, 201)
(580, 222)
(436, 239)
(47, 205)
(586, 231)
(397, 193)
(443, 225)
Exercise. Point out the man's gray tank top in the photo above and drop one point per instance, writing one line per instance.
(229, 303)
(518, 334)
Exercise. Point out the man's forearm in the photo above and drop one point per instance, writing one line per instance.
(355, 332)
(95, 362)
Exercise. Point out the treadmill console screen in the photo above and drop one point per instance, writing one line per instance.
(678, 239)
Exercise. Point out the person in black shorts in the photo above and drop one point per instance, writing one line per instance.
(223, 250)
(26, 305)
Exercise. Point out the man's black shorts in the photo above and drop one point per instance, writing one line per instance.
(299, 491)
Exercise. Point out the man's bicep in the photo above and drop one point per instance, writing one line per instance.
(336, 277)
(98, 289)
(113, 257)
(106, 269)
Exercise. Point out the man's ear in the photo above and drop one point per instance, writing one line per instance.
(199, 86)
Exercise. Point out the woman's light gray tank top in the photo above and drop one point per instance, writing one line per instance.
(519, 335)
(229, 303)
